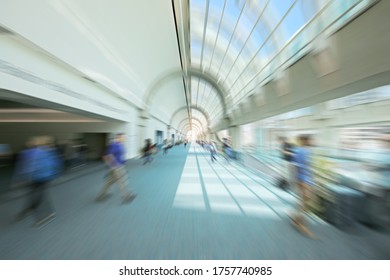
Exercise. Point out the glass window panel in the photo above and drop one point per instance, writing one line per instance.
(196, 49)
(294, 21)
(230, 62)
(213, 109)
(198, 8)
(226, 64)
(258, 37)
(254, 9)
(201, 98)
(220, 50)
(213, 100)
(275, 11)
(232, 13)
(195, 92)
(310, 8)
(195, 86)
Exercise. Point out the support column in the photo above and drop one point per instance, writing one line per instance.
(130, 131)
(235, 135)
(169, 134)
(143, 120)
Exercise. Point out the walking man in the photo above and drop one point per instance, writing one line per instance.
(304, 183)
(38, 165)
(115, 160)
(213, 151)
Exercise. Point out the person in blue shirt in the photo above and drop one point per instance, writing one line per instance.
(213, 150)
(114, 158)
(37, 166)
(302, 161)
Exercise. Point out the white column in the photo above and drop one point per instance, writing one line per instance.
(142, 126)
(235, 134)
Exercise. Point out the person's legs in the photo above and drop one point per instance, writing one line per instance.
(123, 182)
(43, 206)
(109, 181)
(32, 201)
(299, 218)
(148, 158)
(145, 159)
(227, 154)
(291, 176)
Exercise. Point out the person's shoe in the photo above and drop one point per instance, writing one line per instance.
(102, 197)
(22, 214)
(44, 221)
(299, 226)
(305, 231)
(128, 198)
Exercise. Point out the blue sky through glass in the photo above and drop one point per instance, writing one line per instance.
(240, 50)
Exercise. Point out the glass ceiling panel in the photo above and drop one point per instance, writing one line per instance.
(206, 97)
(276, 11)
(294, 21)
(244, 43)
(198, 22)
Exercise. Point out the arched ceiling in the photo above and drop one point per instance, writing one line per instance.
(208, 94)
(244, 43)
(195, 120)
(177, 59)
(198, 114)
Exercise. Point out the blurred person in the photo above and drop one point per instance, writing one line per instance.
(166, 146)
(185, 143)
(114, 158)
(213, 150)
(24, 166)
(227, 149)
(148, 151)
(60, 146)
(287, 152)
(302, 160)
(37, 166)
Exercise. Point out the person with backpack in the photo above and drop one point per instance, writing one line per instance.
(37, 166)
